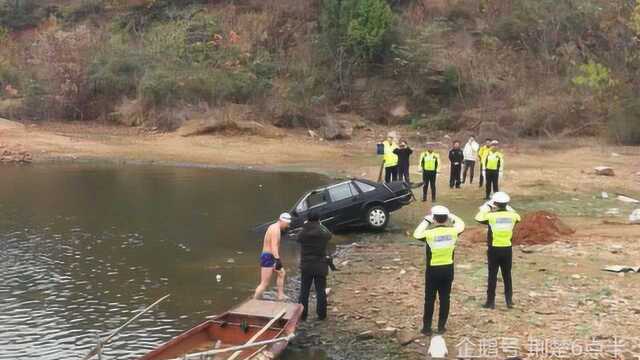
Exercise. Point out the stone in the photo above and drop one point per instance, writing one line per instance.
(336, 129)
(621, 268)
(365, 335)
(388, 331)
(634, 217)
(406, 337)
(616, 249)
(604, 171)
(400, 110)
(628, 200)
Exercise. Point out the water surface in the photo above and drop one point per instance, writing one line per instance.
(83, 248)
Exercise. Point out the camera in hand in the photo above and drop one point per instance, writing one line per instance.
(329, 261)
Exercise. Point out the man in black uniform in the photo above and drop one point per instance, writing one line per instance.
(314, 264)
(501, 220)
(456, 157)
(440, 231)
(403, 152)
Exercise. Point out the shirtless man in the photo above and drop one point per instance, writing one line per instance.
(270, 258)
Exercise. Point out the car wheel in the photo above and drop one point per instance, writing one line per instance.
(377, 217)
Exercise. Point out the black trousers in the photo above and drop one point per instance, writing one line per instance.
(481, 176)
(320, 282)
(391, 173)
(429, 179)
(454, 178)
(499, 257)
(403, 173)
(438, 280)
(469, 165)
(492, 182)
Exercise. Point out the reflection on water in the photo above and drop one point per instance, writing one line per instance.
(84, 248)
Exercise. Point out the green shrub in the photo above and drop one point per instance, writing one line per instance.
(593, 76)
(369, 28)
(36, 104)
(9, 75)
(116, 73)
(624, 122)
(542, 25)
(360, 27)
(22, 14)
(83, 10)
(428, 88)
(450, 83)
(164, 87)
(139, 18)
(443, 120)
(159, 88)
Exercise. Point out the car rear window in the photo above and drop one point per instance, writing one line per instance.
(340, 192)
(365, 187)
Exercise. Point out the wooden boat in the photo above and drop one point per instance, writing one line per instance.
(253, 320)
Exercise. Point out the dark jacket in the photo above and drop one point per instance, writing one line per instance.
(403, 156)
(456, 156)
(313, 250)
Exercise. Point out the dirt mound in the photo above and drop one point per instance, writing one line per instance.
(540, 227)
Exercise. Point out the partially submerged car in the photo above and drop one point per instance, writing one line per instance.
(352, 202)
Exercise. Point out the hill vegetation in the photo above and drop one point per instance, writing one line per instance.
(528, 68)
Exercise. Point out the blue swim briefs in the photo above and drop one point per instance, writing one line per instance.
(267, 260)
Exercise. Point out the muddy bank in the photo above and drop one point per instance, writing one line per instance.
(561, 293)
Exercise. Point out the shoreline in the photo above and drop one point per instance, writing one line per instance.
(296, 168)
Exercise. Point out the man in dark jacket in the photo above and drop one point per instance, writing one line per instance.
(456, 157)
(314, 264)
(403, 152)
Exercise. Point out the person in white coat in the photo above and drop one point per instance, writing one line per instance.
(470, 152)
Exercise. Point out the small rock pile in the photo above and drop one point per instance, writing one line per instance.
(540, 227)
(8, 156)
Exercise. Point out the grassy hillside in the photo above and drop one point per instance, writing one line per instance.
(517, 67)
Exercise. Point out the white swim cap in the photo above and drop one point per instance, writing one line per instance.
(285, 217)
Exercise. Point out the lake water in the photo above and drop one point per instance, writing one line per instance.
(83, 248)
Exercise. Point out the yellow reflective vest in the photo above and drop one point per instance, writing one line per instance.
(440, 239)
(430, 161)
(390, 159)
(501, 224)
(482, 154)
(494, 160)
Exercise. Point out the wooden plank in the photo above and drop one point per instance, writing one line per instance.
(263, 308)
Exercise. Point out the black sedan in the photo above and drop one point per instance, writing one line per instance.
(352, 202)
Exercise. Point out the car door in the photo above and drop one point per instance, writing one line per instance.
(314, 201)
(345, 204)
